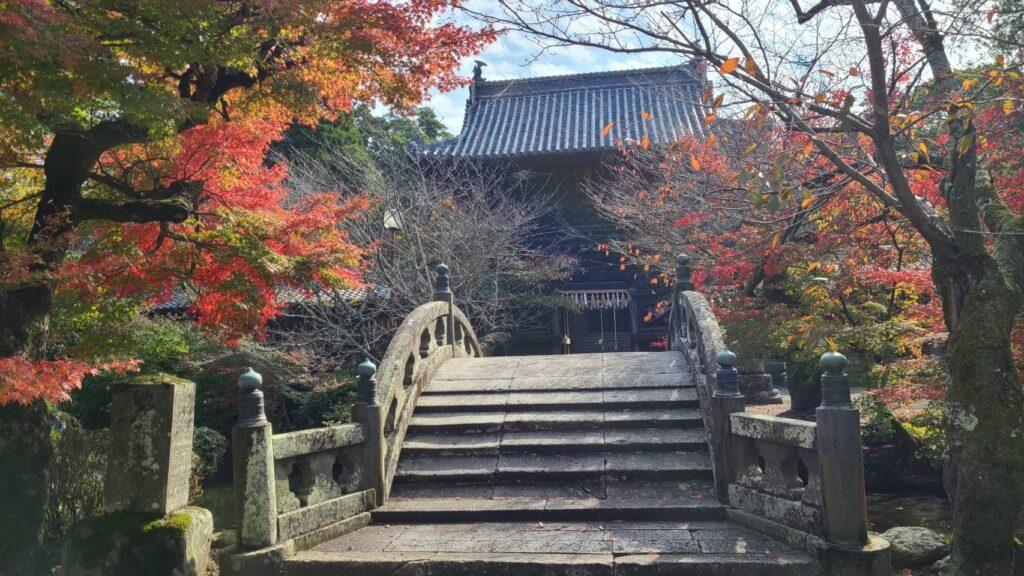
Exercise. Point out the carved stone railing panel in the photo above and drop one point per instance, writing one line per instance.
(314, 466)
(784, 476)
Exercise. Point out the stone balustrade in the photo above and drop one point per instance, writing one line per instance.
(800, 482)
(295, 490)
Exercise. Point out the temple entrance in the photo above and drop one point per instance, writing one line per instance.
(596, 321)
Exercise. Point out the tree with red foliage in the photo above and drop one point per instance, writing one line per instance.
(873, 91)
(133, 162)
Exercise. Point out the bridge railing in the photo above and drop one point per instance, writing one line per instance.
(297, 489)
(797, 481)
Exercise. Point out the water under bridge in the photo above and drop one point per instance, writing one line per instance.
(586, 465)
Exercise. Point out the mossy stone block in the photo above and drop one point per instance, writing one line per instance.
(130, 543)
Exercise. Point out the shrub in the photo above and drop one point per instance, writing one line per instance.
(210, 447)
(76, 476)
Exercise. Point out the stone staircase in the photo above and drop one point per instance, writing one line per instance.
(590, 464)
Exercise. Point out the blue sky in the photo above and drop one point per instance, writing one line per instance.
(516, 55)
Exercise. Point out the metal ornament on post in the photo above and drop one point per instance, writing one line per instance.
(442, 288)
(250, 399)
(835, 384)
(727, 377)
(683, 272)
(366, 390)
(443, 293)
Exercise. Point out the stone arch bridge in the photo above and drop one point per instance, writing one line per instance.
(585, 465)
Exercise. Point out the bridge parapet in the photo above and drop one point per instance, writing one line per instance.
(297, 489)
(797, 481)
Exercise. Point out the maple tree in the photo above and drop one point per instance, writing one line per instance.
(873, 91)
(133, 163)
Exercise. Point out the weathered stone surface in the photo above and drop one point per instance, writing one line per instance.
(664, 465)
(305, 520)
(438, 467)
(317, 440)
(119, 543)
(657, 397)
(653, 418)
(150, 457)
(778, 430)
(779, 563)
(914, 546)
(256, 503)
(792, 513)
(457, 422)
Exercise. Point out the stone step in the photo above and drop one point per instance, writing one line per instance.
(777, 563)
(554, 548)
(652, 398)
(479, 422)
(575, 379)
(544, 509)
(556, 441)
(679, 465)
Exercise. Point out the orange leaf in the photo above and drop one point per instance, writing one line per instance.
(694, 162)
(854, 71)
(807, 202)
(729, 65)
(645, 115)
(709, 119)
(645, 142)
(607, 129)
(710, 140)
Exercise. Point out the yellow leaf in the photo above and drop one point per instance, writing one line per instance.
(729, 66)
(776, 239)
(813, 266)
(645, 115)
(709, 119)
(607, 129)
(645, 142)
(964, 144)
(750, 66)
(968, 82)
(750, 149)
(923, 148)
(806, 202)
(832, 344)
(1007, 106)
(854, 71)
(694, 163)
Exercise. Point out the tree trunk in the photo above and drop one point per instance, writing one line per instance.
(984, 415)
(25, 452)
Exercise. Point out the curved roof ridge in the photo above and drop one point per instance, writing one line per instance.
(626, 71)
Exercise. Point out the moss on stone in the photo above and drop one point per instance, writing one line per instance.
(119, 542)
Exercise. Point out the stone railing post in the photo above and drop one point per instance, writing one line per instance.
(368, 412)
(149, 464)
(683, 282)
(443, 293)
(844, 509)
(253, 460)
(725, 400)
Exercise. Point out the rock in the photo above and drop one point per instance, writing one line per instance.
(943, 567)
(914, 546)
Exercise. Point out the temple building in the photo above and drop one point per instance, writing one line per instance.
(562, 131)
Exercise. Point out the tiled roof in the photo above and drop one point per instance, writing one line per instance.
(182, 299)
(567, 114)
